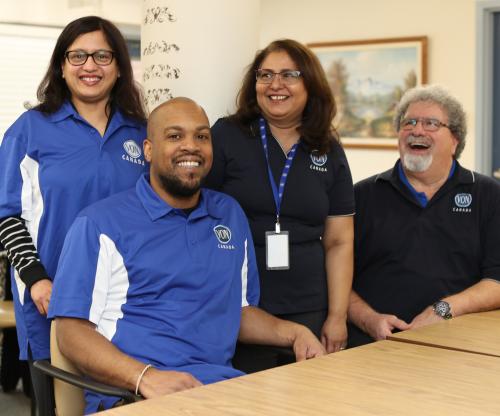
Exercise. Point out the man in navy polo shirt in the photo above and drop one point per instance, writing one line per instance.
(155, 284)
(427, 240)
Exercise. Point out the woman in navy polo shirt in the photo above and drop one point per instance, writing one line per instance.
(81, 143)
(280, 157)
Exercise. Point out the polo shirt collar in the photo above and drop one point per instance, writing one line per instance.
(459, 176)
(119, 120)
(158, 208)
(68, 110)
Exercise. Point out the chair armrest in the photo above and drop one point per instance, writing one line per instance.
(84, 383)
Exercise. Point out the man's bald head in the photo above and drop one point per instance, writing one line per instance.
(159, 116)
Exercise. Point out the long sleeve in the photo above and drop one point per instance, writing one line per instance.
(21, 251)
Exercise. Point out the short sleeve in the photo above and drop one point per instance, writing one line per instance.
(13, 150)
(341, 193)
(72, 293)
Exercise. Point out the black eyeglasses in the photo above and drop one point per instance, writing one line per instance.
(78, 58)
(288, 77)
(428, 124)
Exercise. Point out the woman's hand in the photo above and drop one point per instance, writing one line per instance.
(334, 334)
(40, 293)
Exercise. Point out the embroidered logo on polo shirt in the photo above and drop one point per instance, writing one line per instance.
(223, 234)
(318, 162)
(133, 151)
(463, 202)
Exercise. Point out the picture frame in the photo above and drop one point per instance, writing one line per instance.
(368, 78)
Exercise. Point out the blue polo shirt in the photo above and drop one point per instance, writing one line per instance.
(51, 167)
(164, 287)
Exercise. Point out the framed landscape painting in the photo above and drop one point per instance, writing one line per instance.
(368, 78)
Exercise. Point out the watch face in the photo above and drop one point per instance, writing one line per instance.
(442, 309)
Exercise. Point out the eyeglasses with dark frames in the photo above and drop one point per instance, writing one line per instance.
(288, 76)
(101, 57)
(428, 124)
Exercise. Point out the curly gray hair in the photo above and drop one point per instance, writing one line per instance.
(441, 97)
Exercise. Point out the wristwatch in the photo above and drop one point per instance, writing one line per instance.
(442, 309)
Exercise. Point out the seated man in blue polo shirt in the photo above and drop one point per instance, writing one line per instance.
(427, 232)
(155, 284)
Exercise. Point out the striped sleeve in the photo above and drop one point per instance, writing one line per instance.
(21, 251)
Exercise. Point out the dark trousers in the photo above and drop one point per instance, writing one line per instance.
(43, 390)
(11, 368)
(356, 337)
(251, 358)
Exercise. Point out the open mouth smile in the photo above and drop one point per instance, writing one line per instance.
(418, 143)
(90, 79)
(278, 97)
(189, 164)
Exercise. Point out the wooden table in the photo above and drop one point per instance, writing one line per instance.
(385, 378)
(7, 317)
(478, 333)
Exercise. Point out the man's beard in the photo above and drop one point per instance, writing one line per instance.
(175, 187)
(417, 163)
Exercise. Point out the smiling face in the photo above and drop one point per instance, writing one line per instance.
(179, 149)
(90, 83)
(280, 104)
(425, 151)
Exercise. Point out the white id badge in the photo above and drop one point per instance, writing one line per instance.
(277, 252)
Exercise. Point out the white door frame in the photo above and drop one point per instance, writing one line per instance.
(484, 83)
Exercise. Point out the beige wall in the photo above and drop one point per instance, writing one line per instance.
(449, 25)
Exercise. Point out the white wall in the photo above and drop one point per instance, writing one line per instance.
(449, 25)
(61, 12)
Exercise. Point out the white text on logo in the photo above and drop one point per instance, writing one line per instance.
(462, 202)
(133, 153)
(318, 162)
(223, 234)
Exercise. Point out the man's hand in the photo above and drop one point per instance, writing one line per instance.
(306, 345)
(426, 317)
(334, 334)
(159, 383)
(40, 293)
(379, 326)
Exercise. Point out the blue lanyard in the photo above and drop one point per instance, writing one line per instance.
(277, 193)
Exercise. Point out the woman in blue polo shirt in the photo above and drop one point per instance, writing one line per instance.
(280, 157)
(81, 143)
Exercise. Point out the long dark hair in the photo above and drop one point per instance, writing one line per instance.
(316, 127)
(125, 95)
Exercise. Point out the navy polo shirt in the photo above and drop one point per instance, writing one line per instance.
(317, 186)
(408, 256)
(51, 167)
(164, 287)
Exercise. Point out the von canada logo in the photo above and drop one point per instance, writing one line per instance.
(223, 234)
(132, 149)
(462, 202)
(133, 153)
(318, 162)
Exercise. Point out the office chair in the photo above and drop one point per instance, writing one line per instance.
(69, 383)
